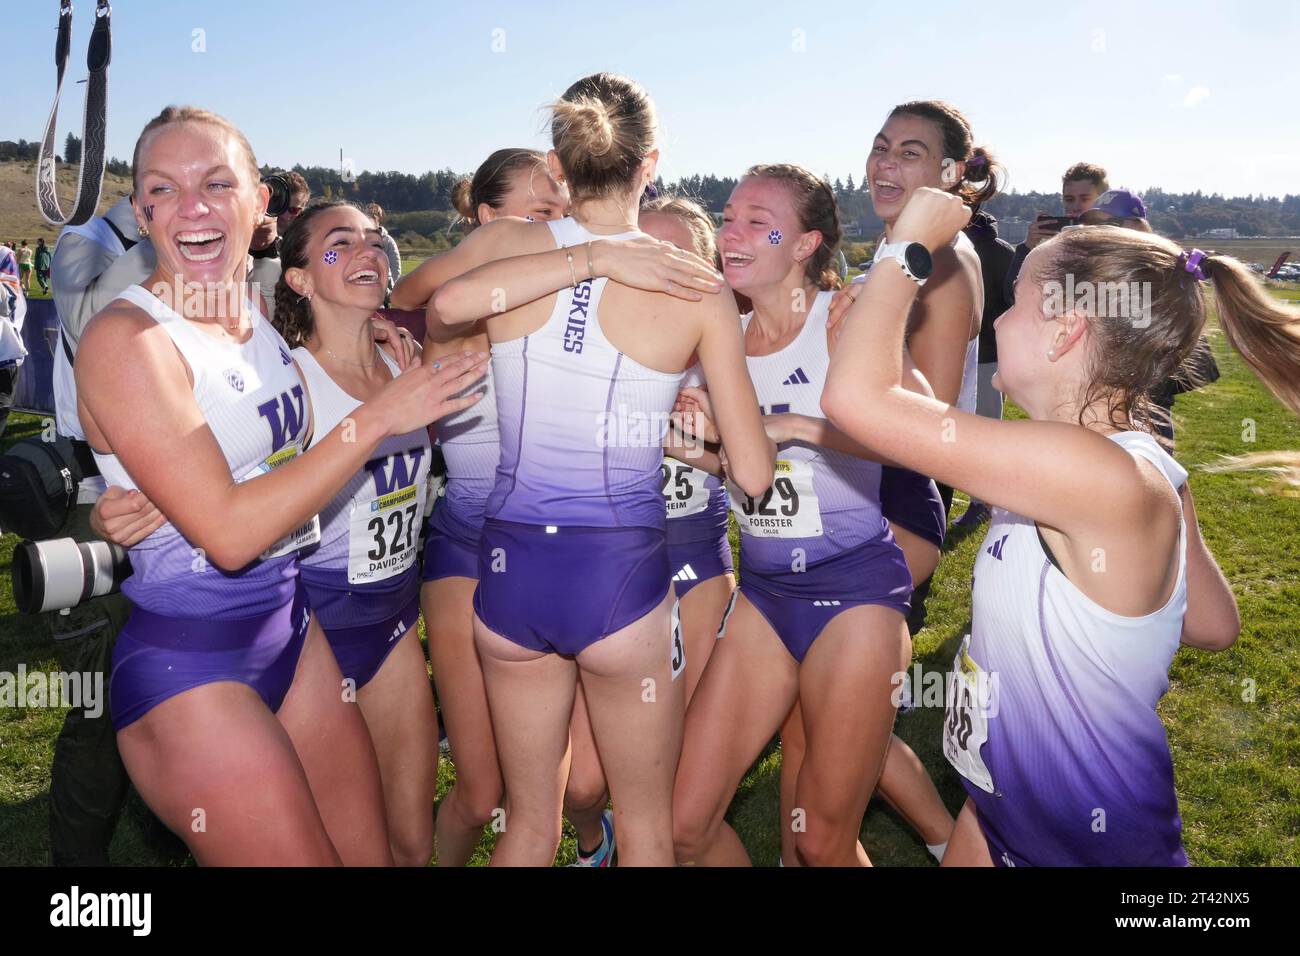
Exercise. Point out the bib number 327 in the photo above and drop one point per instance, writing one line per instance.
(383, 535)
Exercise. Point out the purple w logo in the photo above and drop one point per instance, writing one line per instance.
(393, 472)
(286, 416)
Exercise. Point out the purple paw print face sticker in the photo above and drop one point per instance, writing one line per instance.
(331, 257)
(774, 237)
(530, 218)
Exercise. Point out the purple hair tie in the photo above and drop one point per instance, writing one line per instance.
(975, 162)
(1192, 263)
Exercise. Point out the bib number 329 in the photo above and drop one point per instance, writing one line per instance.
(787, 509)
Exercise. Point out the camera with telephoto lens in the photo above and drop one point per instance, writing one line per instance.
(58, 574)
(281, 194)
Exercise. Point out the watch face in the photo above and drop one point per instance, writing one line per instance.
(919, 262)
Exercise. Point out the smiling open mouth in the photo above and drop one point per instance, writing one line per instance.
(363, 277)
(203, 246)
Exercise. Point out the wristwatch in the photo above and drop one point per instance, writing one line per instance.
(912, 256)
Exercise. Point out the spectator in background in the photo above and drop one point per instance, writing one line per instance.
(43, 256)
(1080, 187)
(25, 265)
(996, 256)
(1125, 209)
(88, 783)
(376, 213)
(13, 309)
(300, 197)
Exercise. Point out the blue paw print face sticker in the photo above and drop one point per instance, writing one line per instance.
(774, 237)
(331, 257)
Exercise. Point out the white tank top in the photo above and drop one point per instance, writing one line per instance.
(372, 525)
(581, 424)
(252, 400)
(1077, 684)
(821, 501)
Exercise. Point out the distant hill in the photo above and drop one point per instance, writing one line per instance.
(19, 218)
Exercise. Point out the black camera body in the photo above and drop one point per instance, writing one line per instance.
(281, 194)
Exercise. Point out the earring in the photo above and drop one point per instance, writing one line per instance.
(144, 231)
(1051, 355)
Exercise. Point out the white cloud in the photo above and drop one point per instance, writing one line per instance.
(1173, 78)
(1195, 95)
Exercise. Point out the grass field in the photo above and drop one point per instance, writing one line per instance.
(1233, 718)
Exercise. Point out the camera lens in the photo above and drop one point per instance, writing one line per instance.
(280, 194)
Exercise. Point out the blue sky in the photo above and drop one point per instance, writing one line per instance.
(1187, 95)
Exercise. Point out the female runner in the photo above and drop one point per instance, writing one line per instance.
(1092, 570)
(226, 702)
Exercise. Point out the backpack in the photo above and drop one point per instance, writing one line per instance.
(38, 487)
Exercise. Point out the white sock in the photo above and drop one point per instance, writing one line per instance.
(780, 862)
(937, 850)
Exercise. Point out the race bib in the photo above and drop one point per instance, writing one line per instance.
(678, 659)
(972, 699)
(301, 537)
(684, 490)
(788, 509)
(384, 535)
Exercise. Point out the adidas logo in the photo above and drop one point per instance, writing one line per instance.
(797, 377)
(687, 573)
(826, 603)
(398, 631)
(995, 548)
(284, 356)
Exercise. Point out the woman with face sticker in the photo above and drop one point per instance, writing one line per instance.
(574, 580)
(362, 579)
(1093, 570)
(226, 701)
(819, 614)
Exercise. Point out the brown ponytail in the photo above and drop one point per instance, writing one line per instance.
(983, 176)
(1264, 332)
(491, 181)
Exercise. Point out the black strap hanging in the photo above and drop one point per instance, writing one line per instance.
(90, 180)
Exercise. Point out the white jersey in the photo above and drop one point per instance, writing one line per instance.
(371, 528)
(252, 400)
(582, 425)
(822, 501)
(1052, 704)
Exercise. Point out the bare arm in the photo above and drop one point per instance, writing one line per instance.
(941, 326)
(1039, 469)
(1211, 622)
(641, 263)
(750, 453)
(144, 412)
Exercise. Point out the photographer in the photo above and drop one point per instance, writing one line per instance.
(93, 263)
(1080, 187)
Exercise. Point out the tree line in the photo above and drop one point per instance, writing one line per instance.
(420, 205)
